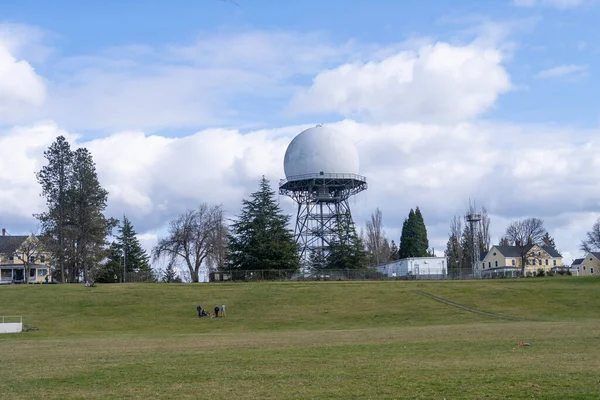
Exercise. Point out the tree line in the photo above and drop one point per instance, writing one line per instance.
(75, 230)
(521, 234)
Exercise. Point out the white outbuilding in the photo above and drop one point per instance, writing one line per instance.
(418, 267)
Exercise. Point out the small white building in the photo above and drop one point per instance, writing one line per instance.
(419, 267)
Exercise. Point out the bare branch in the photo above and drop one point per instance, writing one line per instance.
(592, 242)
(190, 238)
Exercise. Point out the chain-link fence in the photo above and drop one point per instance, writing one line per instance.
(320, 275)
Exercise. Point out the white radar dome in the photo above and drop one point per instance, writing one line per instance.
(320, 149)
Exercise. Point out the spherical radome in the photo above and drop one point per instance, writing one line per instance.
(320, 149)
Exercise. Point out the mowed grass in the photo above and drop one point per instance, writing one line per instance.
(304, 340)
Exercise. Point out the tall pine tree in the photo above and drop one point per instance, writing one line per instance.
(413, 241)
(260, 238)
(127, 248)
(422, 243)
(74, 227)
(88, 227)
(54, 179)
(347, 250)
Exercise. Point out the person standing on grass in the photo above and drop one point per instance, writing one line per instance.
(216, 311)
(223, 310)
(199, 309)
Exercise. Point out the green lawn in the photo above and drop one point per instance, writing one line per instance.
(304, 340)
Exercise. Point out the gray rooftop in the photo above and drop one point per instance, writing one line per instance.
(10, 244)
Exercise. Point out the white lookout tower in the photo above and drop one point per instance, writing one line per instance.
(321, 170)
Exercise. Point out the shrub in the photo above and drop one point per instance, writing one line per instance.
(540, 272)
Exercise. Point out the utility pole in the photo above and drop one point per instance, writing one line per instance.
(124, 255)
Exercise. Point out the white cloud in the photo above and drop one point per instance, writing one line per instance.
(20, 85)
(419, 141)
(560, 4)
(438, 82)
(515, 171)
(212, 81)
(564, 71)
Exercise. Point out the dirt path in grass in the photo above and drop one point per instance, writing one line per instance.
(467, 308)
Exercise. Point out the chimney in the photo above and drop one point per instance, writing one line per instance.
(3, 232)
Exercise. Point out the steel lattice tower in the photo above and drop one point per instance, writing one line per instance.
(473, 218)
(322, 207)
(321, 169)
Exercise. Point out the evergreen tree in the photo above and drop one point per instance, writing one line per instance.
(317, 259)
(88, 226)
(405, 250)
(548, 240)
(128, 245)
(420, 235)
(393, 251)
(74, 227)
(54, 179)
(170, 275)
(260, 238)
(413, 242)
(112, 270)
(347, 250)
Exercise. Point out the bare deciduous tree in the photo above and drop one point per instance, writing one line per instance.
(217, 258)
(454, 250)
(524, 233)
(191, 238)
(592, 242)
(377, 245)
(28, 253)
(485, 239)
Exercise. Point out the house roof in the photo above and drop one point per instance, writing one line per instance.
(9, 244)
(515, 251)
(577, 261)
(595, 254)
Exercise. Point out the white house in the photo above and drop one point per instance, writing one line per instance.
(421, 267)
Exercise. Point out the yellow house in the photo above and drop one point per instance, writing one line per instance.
(19, 253)
(506, 260)
(589, 265)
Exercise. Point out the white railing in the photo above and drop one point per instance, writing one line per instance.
(322, 176)
(9, 324)
(6, 319)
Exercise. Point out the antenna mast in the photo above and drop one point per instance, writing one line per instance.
(473, 218)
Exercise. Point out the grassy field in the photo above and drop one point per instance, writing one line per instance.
(299, 340)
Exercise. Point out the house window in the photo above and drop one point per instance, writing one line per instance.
(483, 264)
(592, 270)
(42, 272)
(513, 262)
(494, 254)
(554, 262)
(32, 273)
(546, 261)
(533, 262)
(584, 267)
(11, 259)
(32, 259)
(496, 264)
(42, 259)
(490, 264)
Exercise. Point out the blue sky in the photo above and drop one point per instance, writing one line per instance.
(545, 37)
(189, 101)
